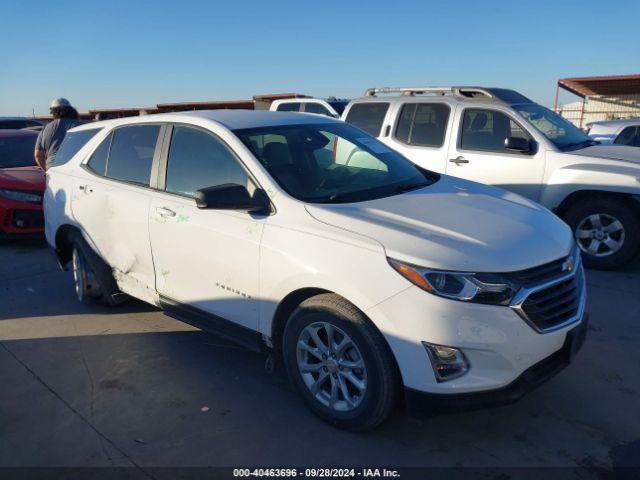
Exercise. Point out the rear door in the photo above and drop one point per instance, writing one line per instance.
(205, 259)
(477, 152)
(111, 203)
(420, 132)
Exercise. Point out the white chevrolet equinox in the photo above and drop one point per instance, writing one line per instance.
(375, 281)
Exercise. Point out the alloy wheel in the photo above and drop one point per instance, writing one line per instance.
(600, 235)
(331, 366)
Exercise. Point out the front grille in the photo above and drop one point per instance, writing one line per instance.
(537, 275)
(554, 305)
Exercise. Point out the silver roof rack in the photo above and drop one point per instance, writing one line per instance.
(409, 91)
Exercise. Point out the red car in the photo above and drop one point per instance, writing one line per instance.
(22, 185)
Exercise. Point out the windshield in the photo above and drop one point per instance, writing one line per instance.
(332, 163)
(563, 133)
(17, 151)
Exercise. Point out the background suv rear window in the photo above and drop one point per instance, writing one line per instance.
(423, 124)
(368, 116)
(289, 107)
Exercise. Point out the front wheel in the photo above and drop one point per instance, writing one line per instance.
(607, 230)
(340, 363)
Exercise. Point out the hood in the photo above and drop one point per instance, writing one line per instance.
(456, 225)
(610, 152)
(22, 178)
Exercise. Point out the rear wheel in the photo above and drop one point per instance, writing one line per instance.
(92, 277)
(340, 363)
(607, 230)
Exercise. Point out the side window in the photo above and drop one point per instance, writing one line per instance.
(131, 154)
(423, 124)
(316, 108)
(628, 136)
(198, 160)
(368, 116)
(289, 107)
(72, 143)
(487, 130)
(98, 160)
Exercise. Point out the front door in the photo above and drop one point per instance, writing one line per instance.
(479, 154)
(206, 259)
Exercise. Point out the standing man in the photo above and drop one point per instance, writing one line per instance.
(51, 136)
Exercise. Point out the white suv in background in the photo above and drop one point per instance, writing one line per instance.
(371, 281)
(618, 132)
(500, 137)
(331, 107)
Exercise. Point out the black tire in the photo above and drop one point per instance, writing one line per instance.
(382, 377)
(611, 208)
(98, 284)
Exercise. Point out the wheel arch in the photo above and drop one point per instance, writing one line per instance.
(284, 310)
(64, 243)
(290, 302)
(580, 195)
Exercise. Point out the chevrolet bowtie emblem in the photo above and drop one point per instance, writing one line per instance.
(567, 266)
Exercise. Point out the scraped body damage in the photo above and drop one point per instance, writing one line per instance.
(115, 221)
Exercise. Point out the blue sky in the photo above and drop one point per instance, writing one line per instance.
(138, 53)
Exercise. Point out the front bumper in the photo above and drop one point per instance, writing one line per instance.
(497, 342)
(19, 219)
(423, 404)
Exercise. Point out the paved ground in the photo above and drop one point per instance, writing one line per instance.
(88, 386)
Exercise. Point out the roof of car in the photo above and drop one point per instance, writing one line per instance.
(231, 119)
(7, 133)
(476, 95)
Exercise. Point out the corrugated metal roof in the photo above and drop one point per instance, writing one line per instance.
(279, 96)
(603, 85)
(207, 105)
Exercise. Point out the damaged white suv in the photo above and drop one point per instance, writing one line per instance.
(372, 278)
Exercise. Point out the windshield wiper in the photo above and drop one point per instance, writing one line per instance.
(586, 143)
(405, 187)
(371, 194)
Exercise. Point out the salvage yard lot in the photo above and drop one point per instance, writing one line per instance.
(90, 386)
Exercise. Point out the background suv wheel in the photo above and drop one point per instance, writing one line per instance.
(607, 231)
(340, 363)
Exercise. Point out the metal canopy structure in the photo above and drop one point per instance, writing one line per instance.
(607, 88)
(607, 85)
(207, 105)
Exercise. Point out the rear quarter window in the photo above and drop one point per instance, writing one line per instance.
(423, 124)
(289, 107)
(368, 116)
(72, 143)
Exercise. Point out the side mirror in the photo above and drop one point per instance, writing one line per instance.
(518, 144)
(232, 196)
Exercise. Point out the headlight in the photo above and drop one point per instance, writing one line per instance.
(20, 195)
(490, 288)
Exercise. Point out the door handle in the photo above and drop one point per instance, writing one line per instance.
(459, 160)
(86, 188)
(165, 212)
